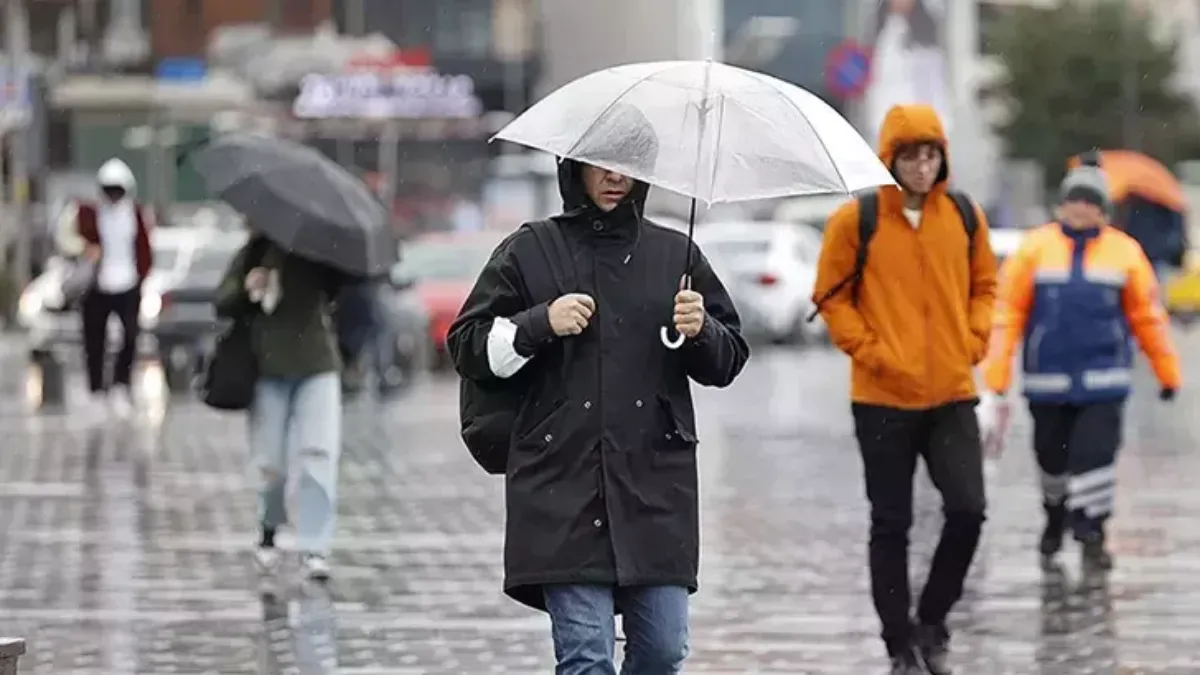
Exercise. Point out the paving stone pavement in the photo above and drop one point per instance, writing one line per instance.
(125, 549)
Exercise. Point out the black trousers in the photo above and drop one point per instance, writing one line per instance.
(891, 441)
(1076, 448)
(97, 307)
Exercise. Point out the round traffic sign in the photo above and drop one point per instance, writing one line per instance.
(847, 69)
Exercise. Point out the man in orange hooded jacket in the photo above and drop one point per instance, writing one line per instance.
(915, 325)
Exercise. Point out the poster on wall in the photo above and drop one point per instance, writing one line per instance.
(908, 60)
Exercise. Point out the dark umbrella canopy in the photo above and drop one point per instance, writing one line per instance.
(301, 200)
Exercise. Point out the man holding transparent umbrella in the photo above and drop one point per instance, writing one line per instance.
(600, 460)
(603, 515)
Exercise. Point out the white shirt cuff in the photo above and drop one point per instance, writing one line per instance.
(503, 358)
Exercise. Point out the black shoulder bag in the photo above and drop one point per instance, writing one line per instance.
(231, 370)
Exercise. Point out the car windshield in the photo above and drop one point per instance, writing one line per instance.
(209, 264)
(443, 260)
(736, 249)
(165, 258)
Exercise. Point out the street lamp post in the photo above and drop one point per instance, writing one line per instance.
(16, 120)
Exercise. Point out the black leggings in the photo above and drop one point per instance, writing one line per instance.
(97, 307)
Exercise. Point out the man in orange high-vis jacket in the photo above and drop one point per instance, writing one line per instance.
(1076, 294)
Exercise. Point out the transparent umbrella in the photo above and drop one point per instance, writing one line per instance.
(710, 131)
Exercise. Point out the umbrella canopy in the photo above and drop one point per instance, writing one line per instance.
(1133, 173)
(301, 200)
(706, 130)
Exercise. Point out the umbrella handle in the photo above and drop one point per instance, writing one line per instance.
(664, 336)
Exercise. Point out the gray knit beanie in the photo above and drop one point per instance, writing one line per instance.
(1086, 184)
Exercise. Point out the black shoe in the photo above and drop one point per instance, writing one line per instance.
(933, 644)
(1095, 557)
(1052, 536)
(906, 663)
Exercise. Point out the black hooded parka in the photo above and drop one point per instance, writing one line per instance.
(601, 486)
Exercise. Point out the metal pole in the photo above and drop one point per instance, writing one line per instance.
(18, 44)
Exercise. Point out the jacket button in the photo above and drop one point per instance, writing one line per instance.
(597, 522)
(597, 225)
(587, 405)
(638, 403)
(549, 438)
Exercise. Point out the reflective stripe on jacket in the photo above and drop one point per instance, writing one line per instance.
(1077, 298)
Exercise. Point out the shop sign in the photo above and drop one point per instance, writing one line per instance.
(379, 95)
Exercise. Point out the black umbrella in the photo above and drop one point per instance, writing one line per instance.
(301, 200)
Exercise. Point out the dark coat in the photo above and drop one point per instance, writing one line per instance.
(601, 481)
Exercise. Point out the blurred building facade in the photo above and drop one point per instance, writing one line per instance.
(142, 78)
(350, 77)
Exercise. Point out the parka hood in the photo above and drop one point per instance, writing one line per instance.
(623, 140)
(576, 201)
(115, 173)
(908, 124)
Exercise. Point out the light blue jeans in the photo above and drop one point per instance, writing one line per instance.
(296, 430)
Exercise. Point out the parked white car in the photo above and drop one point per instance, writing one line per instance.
(51, 327)
(1005, 241)
(813, 210)
(769, 268)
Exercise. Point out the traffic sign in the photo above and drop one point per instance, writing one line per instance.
(848, 69)
(181, 70)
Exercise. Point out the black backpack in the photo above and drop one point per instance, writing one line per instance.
(229, 373)
(488, 410)
(868, 221)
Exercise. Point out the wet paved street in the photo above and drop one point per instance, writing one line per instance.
(126, 551)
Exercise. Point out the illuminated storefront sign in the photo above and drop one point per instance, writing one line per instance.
(407, 94)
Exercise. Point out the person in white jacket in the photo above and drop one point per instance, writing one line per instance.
(114, 233)
(908, 64)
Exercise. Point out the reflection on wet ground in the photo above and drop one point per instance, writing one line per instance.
(126, 550)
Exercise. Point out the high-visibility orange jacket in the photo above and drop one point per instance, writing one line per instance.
(1077, 299)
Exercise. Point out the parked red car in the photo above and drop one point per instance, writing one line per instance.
(442, 268)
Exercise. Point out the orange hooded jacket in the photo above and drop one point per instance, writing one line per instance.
(924, 310)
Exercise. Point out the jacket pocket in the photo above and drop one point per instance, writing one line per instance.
(674, 440)
(538, 425)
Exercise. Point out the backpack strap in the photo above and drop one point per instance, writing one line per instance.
(868, 220)
(868, 217)
(557, 256)
(970, 218)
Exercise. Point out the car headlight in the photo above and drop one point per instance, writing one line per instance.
(151, 307)
(28, 307)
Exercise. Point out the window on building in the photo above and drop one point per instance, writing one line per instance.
(463, 28)
(193, 12)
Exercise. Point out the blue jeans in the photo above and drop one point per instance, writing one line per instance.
(296, 428)
(655, 620)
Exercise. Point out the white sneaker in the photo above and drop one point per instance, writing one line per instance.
(267, 562)
(121, 402)
(315, 567)
(267, 559)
